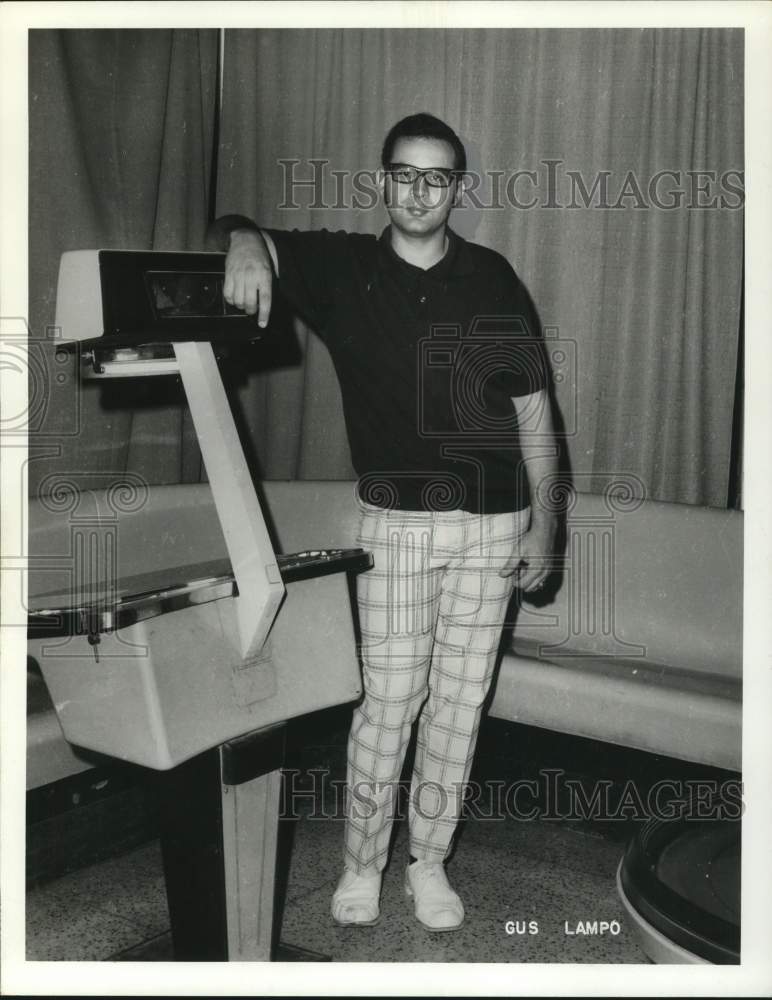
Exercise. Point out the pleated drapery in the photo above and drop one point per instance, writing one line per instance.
(644, 300)
(641, 301)
(120, 151)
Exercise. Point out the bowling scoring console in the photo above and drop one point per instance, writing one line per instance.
(186, 652)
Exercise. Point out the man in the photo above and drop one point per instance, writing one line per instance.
(444, 387)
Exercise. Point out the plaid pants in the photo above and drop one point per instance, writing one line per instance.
(431, 613)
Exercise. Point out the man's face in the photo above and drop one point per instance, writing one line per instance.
(419, 209)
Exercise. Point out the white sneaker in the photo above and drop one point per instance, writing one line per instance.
(437, 906)
(355, 901)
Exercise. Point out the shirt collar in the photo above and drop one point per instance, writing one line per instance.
(456, 262)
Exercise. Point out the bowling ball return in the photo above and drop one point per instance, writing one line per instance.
(679, 881)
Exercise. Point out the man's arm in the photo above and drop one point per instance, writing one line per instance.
(537, 444)
(249, 265)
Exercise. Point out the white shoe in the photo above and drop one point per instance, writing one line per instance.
(355, 901)
(437, 906)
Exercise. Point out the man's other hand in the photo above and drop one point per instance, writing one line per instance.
(532, 563)
(248, 274)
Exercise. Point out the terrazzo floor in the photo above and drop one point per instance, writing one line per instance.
(550, 872)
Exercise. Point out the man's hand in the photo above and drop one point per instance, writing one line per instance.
(248, 274)
(531, 564)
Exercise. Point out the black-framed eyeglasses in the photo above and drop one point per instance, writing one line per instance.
(436, 177)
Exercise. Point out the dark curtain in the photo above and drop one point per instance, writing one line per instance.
(645, 299)
(120, 133)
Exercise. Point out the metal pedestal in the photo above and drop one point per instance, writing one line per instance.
(219, 822)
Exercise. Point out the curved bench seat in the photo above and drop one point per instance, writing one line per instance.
(639, 642)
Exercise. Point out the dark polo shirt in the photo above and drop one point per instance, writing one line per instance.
(428, 362)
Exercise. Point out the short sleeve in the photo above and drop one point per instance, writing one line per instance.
(517, 327)
(310, 265)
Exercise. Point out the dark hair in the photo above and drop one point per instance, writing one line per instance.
(423, 126)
